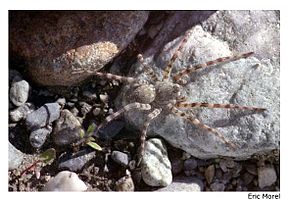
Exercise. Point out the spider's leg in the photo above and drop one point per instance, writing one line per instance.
(169, 66)
(135, 105)
(108, 76)
(225, 106)
(150, 117)
(148, 70)
(197, 123)
(218, 61)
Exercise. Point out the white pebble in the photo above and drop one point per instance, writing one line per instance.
(65, 181)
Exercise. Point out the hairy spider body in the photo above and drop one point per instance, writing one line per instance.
(155, 95)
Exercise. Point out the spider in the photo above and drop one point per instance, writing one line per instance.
(157, 95)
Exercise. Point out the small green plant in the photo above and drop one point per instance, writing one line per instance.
(89, 140)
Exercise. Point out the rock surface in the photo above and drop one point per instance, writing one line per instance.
(56, 43)
(15, 157)
(155, 166)
(266, 176)
(182, 183)
(250, 82)
(21, 112)
(65, 181)
(67, 129)
(19, 92)
(43, 116)
(120, 158)
(38, 137)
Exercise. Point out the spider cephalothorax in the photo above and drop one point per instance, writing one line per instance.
(157, 95)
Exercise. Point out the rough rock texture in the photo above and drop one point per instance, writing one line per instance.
(15, 157)
(56, 43)
(155, 166)
(266, 176)
(184, 183)
(67, 129)
(21, 112)
(38, 137)
(250, 82)
(19, 92)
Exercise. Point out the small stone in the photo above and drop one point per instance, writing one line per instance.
(190, 164)
(90, 95)
(183, 183)
(217, 186)
(67, 129)
(75, 162)
(252, 168)
(125, 184)
(43, 116)
(19, 92)
(65, 181)
(74, 111)
(96, 111)
(120, 158)
(223, 165)
(266, 176)
(111, 129)
(38, 137)
(248, 178)
(21, 112)
(209, 173)
(155, 166)
(15, 157)
(85, 108)
(177, 165)
(104, 98)
(61, 101)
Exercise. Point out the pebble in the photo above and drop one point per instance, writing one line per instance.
(217, 186)
(19, 92)
(90, 95)
(85, 108)
(125, 184)
(61, 101)
(96, 111)
(190, 164)
(266, 176)
(65, 181)
(120, 158)
(209, 173)
(155, 166)
(75, 162)
(15, 157)
(176, 165)
(252, 168)
(184, 184)
(43, 116)
(104, 98)
(21, 112)
(67, 129)
(248, 178)
(38, 137)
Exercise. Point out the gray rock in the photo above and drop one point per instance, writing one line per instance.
(21, 112)
(19, 92)
(120, 158)
(190, 164)
(67, 129)
(65, 181)
(241, 82)
(155, 166)
(182, 183)
(43, 116)
(266, 176)
(38, 137)
(85, 108)
(15, 157)
(75, 162)
(217, 186)
(176, 166)
(125, 184)
(111, 129)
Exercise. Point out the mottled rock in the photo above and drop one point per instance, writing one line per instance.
(250, 82)
(65, 181)
(75, 162)
(57, 43)
(43, 116)
(19, 92)
(217, 186)
(155, 165)
(67, 129)
(125, 184)
(182, 183)
(15, 157)
(21, 112)
(176, 166)
(38, 137)
(266, 176)
(190, 164)
(120, 158)
(209, 173)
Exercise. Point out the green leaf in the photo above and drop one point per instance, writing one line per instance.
(91, 139)
(48, 155)
(94, 146)
(82, 133)
(91, 128)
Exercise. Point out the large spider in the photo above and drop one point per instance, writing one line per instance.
(163, 95)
